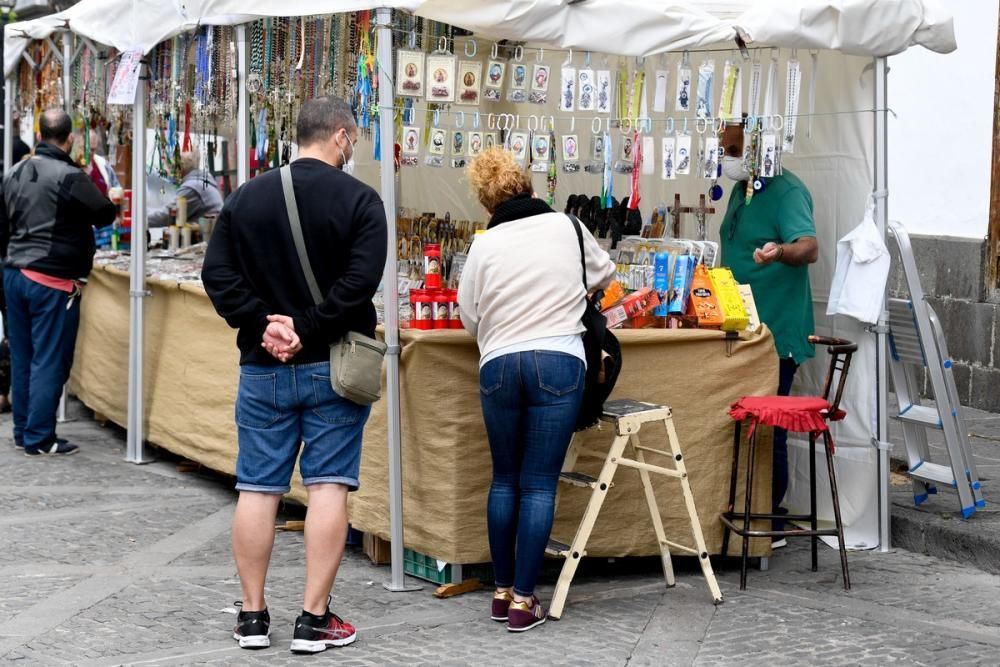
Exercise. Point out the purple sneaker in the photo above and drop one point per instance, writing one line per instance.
(501, 603)
(523, 616)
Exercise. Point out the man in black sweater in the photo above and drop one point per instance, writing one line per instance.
(253, 275)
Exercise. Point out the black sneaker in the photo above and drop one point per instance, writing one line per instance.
(61, 441)
(252, 628)
(57, 448)
(314, 634)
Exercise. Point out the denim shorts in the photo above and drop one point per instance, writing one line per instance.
(282, 409)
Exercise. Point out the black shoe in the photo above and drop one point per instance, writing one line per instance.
(314, 634)
(61, 441)
(57, 448)
(253, 628)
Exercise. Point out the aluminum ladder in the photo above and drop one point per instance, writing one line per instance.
(628, 417)
(916, 342)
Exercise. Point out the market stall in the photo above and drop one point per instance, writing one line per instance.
(190, 374)
(838, 125)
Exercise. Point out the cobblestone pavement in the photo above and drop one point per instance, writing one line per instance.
(105, 563)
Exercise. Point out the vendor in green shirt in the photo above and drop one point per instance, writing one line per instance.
(769, 245)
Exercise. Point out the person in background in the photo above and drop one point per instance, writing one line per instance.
(769, 245)
(199, 187)
(255, 280)
(50, 207)
(522, 297)
(100, 170)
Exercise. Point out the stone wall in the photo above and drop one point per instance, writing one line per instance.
(951, 274)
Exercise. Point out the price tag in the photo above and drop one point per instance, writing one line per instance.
(126, 78)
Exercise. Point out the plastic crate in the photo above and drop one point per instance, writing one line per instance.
(424, 567)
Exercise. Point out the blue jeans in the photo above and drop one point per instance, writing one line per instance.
(779, 479)
(530, 403)
(41, 325)
(280, 409)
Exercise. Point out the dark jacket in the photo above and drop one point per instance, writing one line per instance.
(251, 268)
(50, 209)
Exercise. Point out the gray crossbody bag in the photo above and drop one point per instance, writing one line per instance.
(356, 359)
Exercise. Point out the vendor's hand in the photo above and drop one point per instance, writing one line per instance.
(280, 339)
(770, 253)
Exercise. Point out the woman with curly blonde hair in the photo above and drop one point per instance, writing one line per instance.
(522, 296)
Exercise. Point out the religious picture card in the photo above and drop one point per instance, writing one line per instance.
(441, 78)
(518, 89)
(540, 84)
(540, 148)
(410, 74)
(490, 139)
(458, 149)
(493, 83)
(567, 90)
(669, 159)
(570, 148)
(519, 145)
(683, 154)
(475, 143)
(470, 74)
(438, 141)
(586, 90)
(411, 140)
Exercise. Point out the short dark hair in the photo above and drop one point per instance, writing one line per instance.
(55, 125)
(320, 118)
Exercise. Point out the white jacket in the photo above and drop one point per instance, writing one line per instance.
(523, 280)
(858, 288)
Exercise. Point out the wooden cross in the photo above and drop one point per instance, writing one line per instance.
(700, 213)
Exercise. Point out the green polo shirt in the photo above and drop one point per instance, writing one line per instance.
(782, 213)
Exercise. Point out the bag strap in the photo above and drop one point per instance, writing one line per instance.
(583, 257)
(300, 243)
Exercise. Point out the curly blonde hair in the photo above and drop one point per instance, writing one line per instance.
(495, 177)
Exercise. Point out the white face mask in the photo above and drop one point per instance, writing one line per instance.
(732, 167)
(348, 166)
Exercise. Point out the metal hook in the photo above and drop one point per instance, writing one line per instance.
(518, 53)
(751, 124)
(495, 51)
(569, 58)
(685, 130)
(491, 121)
(701, 125)
(719, 125)
(517, 122)
(475, 48)
(540, 55)
(586, 58)
(443, 44)
(625, 125)
(645, 124)
(533, 123)
(459, 119)
(572, 124)
(552, 123)
(596, 124)
(778, 122)
(775, 52)
(412, 39)
(475, 121)
(437, 117)
(669, 123)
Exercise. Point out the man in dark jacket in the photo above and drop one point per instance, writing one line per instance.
(254, 277)
(46, 234)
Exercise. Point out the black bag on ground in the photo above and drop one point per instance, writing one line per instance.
(603, 352)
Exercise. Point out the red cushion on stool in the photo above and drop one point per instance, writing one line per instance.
(801, 414)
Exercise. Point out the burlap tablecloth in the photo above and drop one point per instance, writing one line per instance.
(191, 377)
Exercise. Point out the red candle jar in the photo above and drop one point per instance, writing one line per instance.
(432, 266)
(442, 309)
(456, 317)
(423, 308)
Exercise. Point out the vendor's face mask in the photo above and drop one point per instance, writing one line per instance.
(733, 168)
(348, 165)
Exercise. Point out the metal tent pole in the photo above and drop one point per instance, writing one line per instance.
(8, 122)
(390, 294)
(881, 196)
(137, 282)
(67, 69)
(242, 107)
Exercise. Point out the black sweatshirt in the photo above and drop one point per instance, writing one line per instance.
(252, 270)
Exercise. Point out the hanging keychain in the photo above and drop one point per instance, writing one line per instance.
(552, 179)
(660, 94)
(567, 85)
(706, 84)
(768, 143)
(669, 148)
(625, 162)
(586, 86)
(730, 92)
(753, 101)
(540, 143)
(683, 150)
(793, 86)
(476, 139)
(495, 70)
(597, 148)
(518, 91)
(571, 149)
(684, 83)
(436, 142)
(604, 90)
(540, 75)
(633, 197)
(458, 144)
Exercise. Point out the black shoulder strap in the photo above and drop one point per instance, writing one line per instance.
(583, 257)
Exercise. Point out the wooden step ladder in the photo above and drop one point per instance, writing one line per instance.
(628, 417)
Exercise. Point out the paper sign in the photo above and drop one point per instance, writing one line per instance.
(126, 79)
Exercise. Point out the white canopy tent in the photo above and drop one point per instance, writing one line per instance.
(842, 164)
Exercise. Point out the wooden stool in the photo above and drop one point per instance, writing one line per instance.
(628, 417)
